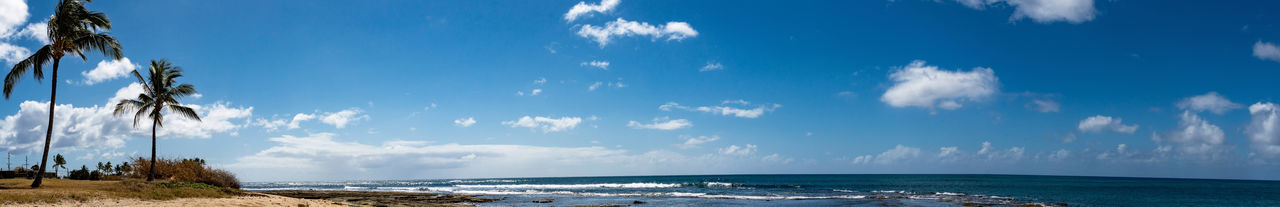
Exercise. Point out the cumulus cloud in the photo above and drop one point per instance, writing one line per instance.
(1042, 11)
(662, 123)
(1264, 129)
(1195, 137)
(734, 150)
(603, 65)
(467, 122)
(338, 119)
(949, 154)
(109, 69)
(13, 53)
(583, 9)
(12, 14)
(1266, 51)
(1211, 102)
(97, 127)
(1059, 155)
(546, 124)
(693, 142)
(923, 85)
(711, 66)
(897, 154)
(623, 28)
(726, 108)
(991, 153)
(1101, 123)
(38, 31)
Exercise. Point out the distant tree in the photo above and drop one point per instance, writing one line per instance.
(59, 162)
(160, 91)
(72, 31)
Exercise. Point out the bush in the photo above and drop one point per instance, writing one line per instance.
(184, 170)
(84, 174)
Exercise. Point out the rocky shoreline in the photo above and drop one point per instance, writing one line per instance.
(372, 198)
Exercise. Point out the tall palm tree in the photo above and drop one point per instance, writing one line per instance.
(160, 92)
(72, 31)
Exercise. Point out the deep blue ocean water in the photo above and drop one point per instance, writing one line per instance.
(832, 190)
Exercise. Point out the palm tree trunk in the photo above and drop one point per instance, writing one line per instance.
(48, 133)
(151, 172)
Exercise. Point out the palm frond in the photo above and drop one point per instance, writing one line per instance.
(144, 110)
(102, 42)
(35, 63)
(185, 112)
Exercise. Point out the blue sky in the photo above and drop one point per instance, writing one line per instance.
(322, 90)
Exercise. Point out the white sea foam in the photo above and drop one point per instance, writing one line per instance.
(843, 190)
(573, 186)
(720, 185)
(483, 181)
(890, 191)
(948, 194)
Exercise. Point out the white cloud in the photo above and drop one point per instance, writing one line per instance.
(864, 159)
(109, 69)
(338, 119)
(990, 153)
(1264, 129)
(1266, 51)
(582, 8)
(1043, 11)
(662, 123)
(38, 31)
(540, 81)
(734, 150)
(535, 92)
(923, 85)
(1195, 137)
(726, 108)
(1101, 123)
(776, 158)
(603, 65)
(324, 156)
(467, 122)
(1059, 155)
(948, 154)
(671, 31)
(594, 86)
(711, 66)
(97, 127)
(341, 118)
(898, 154)
(1046, 106)
(12, 14)
(1211, 102)
(545, 123)
(693, 142)
(13, 53)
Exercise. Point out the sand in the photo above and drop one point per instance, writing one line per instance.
(246, 201)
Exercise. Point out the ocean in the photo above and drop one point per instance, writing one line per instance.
(831, 190)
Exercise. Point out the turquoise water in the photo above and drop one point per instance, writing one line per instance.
(834, 190)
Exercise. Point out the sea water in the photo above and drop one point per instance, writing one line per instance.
(831, 190)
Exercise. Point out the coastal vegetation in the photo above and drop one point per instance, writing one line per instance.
(160, 92)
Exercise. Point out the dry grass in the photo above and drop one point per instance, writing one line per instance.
(54, 190)
(184, 170)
